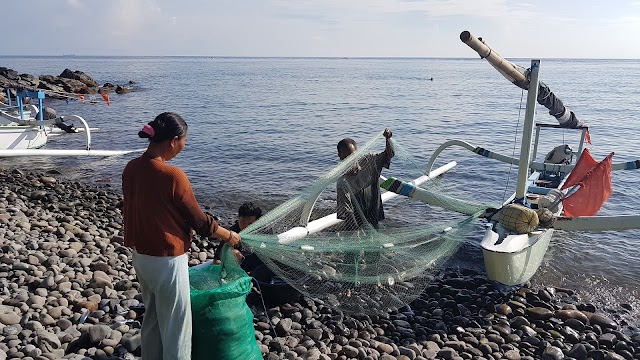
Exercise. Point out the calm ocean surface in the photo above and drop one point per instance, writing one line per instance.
(261, 129)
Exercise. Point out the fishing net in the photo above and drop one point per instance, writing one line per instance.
(360, 260)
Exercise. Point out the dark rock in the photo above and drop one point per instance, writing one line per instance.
(607, 340)
(578, 351)
(552, 353)
(572, 314)
(447, 353)
(283, 326)
(80, 76)
(519, 321)
(9, 73)
(539, 313)
(75, 86)
(575, 324)
(122, 89)
(610, 355)
(602, 320)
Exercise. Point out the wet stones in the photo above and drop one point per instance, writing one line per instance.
(67, 288)
(539, 313)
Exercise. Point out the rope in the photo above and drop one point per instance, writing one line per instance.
(264, 306)
(513, 152)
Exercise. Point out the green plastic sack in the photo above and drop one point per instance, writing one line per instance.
(222, 321)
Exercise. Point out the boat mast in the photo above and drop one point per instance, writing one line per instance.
(527, 132)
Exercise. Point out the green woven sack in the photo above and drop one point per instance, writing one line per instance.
(222, 321)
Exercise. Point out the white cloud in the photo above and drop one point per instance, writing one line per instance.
(519, 28)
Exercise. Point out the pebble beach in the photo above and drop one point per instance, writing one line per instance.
(68, 291)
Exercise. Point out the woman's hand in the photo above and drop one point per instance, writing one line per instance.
(233, 238)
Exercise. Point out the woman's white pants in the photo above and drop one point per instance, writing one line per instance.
(166, 326)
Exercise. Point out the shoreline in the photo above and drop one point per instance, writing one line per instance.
(68, 290)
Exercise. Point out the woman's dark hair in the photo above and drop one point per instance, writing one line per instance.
(165, 127)
(250, 209)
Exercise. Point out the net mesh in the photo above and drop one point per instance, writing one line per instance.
(362, 259)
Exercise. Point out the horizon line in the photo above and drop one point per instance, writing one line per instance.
(298, 57)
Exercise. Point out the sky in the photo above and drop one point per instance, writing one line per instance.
(325, 28)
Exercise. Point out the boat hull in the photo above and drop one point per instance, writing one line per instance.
(22, 137)
(514, 267)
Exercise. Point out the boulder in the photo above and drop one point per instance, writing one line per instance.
(75, 86)
(122, 89)
(80, 76)
(9, 73)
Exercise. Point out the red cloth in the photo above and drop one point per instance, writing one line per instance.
(595, 189)
(160, 208)
(584, 164)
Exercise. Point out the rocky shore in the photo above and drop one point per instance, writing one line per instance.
(71, 82)
(68, 290)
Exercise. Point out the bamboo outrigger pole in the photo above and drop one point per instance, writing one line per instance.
(506, 68)
(519, 77)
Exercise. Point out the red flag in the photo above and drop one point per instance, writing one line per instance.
(584, 164)
(595, 189)
(81, 97)
(587, 137)
(105, 96)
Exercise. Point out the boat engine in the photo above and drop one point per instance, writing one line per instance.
(562, 154)
(69, 128)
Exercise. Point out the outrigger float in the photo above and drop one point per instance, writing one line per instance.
(24, 131)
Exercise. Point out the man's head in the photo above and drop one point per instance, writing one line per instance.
(248, 214)
(346, 147)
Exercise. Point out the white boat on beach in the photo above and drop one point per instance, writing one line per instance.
(24, 131)
(510, 257)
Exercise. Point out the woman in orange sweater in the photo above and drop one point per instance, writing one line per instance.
(160, 210)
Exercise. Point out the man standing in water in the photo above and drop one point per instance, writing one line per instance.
(359, 200)
(358, 191)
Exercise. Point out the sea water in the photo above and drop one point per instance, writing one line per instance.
(262, 129)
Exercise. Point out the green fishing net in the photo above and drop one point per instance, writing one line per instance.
(347, 260)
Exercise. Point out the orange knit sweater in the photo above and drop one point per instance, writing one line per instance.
(160, 208)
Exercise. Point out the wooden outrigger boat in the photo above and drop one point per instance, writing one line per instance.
(23, 134)
(512, 258)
